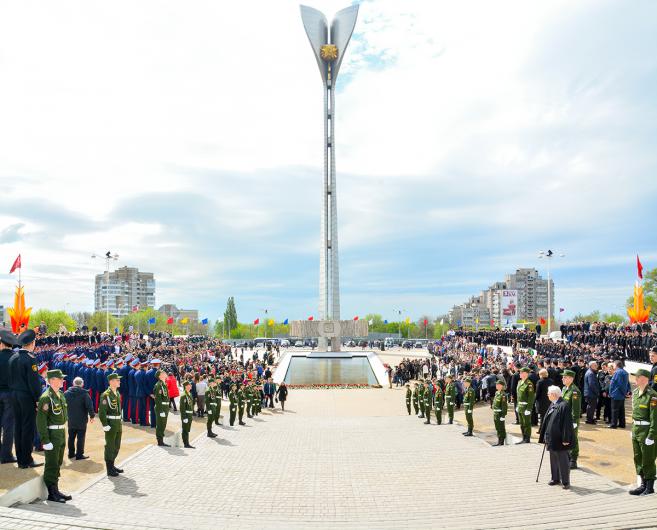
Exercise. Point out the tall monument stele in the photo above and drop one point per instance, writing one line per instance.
(329, 44)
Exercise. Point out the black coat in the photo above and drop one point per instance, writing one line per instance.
(80, 407)
(557, 427)
(542, 400)
(282, 393)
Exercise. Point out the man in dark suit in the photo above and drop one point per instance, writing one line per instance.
(80, 411)
(591, 392)
(556, 433)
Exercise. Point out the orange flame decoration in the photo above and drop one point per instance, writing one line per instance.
(638, 313)
(20, 316)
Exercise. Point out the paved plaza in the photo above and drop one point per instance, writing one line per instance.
(325, 464)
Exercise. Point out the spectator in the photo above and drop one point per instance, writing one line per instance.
(542, 399)
(174, 392)
(80, 411)
(269, 390)
(201, 387)
(281, 394)
(556, 433)
(619, 388)
(591, 392)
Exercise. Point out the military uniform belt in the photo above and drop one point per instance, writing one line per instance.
(57, 426)
(113, 417)
(164, 402)
(641, 422)
(497, 410)
(522, 403)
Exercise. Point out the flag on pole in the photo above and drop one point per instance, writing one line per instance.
(507, 321)
(532, 352)
(371, 321)
(408, 320)
(170, 320)
(256, 321)
(639, 267)
(458, 323)
(270, 322)
(286, 322)
(356, 317)
(151, 320)
(204, 321)
(184, 320)
(561, 310)
(310, 317)
(135, 308)
(492, 322)
(426, 322)
(16, 265)
(543, 321)
(385, 321)
(442, 321)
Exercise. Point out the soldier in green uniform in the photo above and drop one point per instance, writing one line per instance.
(240, 405)
(161, 397)
(211, 402)
(409, 397)
(450, 398)
(572, 395)
(109, 414)
(500, 408)
(644, 432)
(232, 400)
(217, 400)
(439, 402)
(420, 399)
(468, 405)
(248, 401)
(428, 401)
(186, 413)
(526, 396)
(416, 405)
(52, 413)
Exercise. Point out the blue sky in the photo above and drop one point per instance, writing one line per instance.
(189, 140)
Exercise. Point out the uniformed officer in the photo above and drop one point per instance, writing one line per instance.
(420, 399)
(653, 370)
(150, 378)
(7, 340)
(232, 400)
(450, 397)
(109, 413)
(25, 385)
(500, 408)
(428, 401)
(439, 402)
(186, 412)
(217, 400)
(572, 395)
(51, 416)
(409, 398)
(468, 405)
(526, 396)
(211, 405)
(240, 405)
(416, 405)
(644, 432)
(161, 400)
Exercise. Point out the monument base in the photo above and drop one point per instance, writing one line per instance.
(328, 332)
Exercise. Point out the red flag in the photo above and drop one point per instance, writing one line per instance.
(492, 323)
(425, 322)
(135, 308)
(639, 267)
(256, 322)
(543, 321)
(310, 317)
(356, 317)
(170, 320)
(17, 264)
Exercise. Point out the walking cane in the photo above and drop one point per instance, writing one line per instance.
(541, 464)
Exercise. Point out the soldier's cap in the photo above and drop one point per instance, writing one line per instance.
(97, 362)
(501, 382)
(525, 369)
(187, 382)
(155, 361)
(8, 338)
(110, 364)
(43, 367)
(135, 363)
(27, 337)
(211, 380)
(51, 374)
(653, 349)
(111, 377)
(158, 373)
(119, 362)
(643, 372)
(568, 373)
(467, 380)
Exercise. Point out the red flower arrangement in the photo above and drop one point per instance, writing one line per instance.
(330, 386)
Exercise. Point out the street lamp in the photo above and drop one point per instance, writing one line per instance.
(266, 311)
(399, 312)
(548, 257)
(108, 257)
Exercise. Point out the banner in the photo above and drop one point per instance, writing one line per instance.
(509, 307)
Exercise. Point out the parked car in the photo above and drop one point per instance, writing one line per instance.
(285, 343)
(298, 344)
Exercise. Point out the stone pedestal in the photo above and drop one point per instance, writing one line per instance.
(328, 332)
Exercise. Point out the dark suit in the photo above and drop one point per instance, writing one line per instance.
(6, 408)
(557, 434)
(80, 409)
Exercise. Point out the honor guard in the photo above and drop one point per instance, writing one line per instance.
(186, 412)
(500, 408)
(240, 405)
(109, 413)
(420, 399)
(573, 396)
(51, 416)
(526, 396)
(468, 405)
(232, 403)
(644, 432)
(409, 398)
(211, 402)
(416, 405)
(450, 398)
(161, 399)
(428, 401)
(439, 402)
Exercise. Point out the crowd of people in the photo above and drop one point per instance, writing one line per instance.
(51, 383)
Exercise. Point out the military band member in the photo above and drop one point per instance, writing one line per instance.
(109, 414)
(500, 408)
(162, 404)
(211, 403)
(468, 405)
(51, 416)
(439, 402)
(232, 404)
(572, 395)
(428, 401)
(644, 432)
(186, 412)
(526, 396)
(416, 405)
(240, 405)
(420, 399)
(409, 398)
(450, 398)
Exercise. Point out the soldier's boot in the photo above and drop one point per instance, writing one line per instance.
(116, 468)
(210, 433)
(650, 483)
(500, 441)
(573, 464)
(468, 433)
(242, 423)
(523, 441)
(110, 469)
(53, 496)
(428, 422)
(451, 421)
(61, 494)
(160, 442)
(528, 439)
(639, 490)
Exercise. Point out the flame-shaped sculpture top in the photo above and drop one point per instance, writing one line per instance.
(638, 313)
(19, 315)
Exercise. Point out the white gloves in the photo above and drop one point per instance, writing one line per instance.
(503, 419)
(107, 428)
(574, 426)
(517, 409)
(649, 441)
(185, 421)
(528, 413)
(48, 447)
(162, 414)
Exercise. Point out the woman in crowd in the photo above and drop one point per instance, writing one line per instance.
(172, 387)
(281, 394)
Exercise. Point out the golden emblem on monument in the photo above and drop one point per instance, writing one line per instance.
(329, 52)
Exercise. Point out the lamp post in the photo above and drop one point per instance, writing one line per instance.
(548, 255)
(108, 257)
(399, 312)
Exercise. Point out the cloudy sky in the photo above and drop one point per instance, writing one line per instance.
(187, 137)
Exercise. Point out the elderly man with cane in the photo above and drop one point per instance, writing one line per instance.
(557, 434)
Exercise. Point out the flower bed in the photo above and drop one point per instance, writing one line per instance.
(331, 386)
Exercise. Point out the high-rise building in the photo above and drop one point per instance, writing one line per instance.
(532, 294)
(124, 290)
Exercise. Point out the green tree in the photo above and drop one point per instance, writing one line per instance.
(98, 320)
(53, 320)
(230, 316)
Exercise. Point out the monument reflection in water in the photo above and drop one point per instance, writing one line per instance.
(330, 370)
